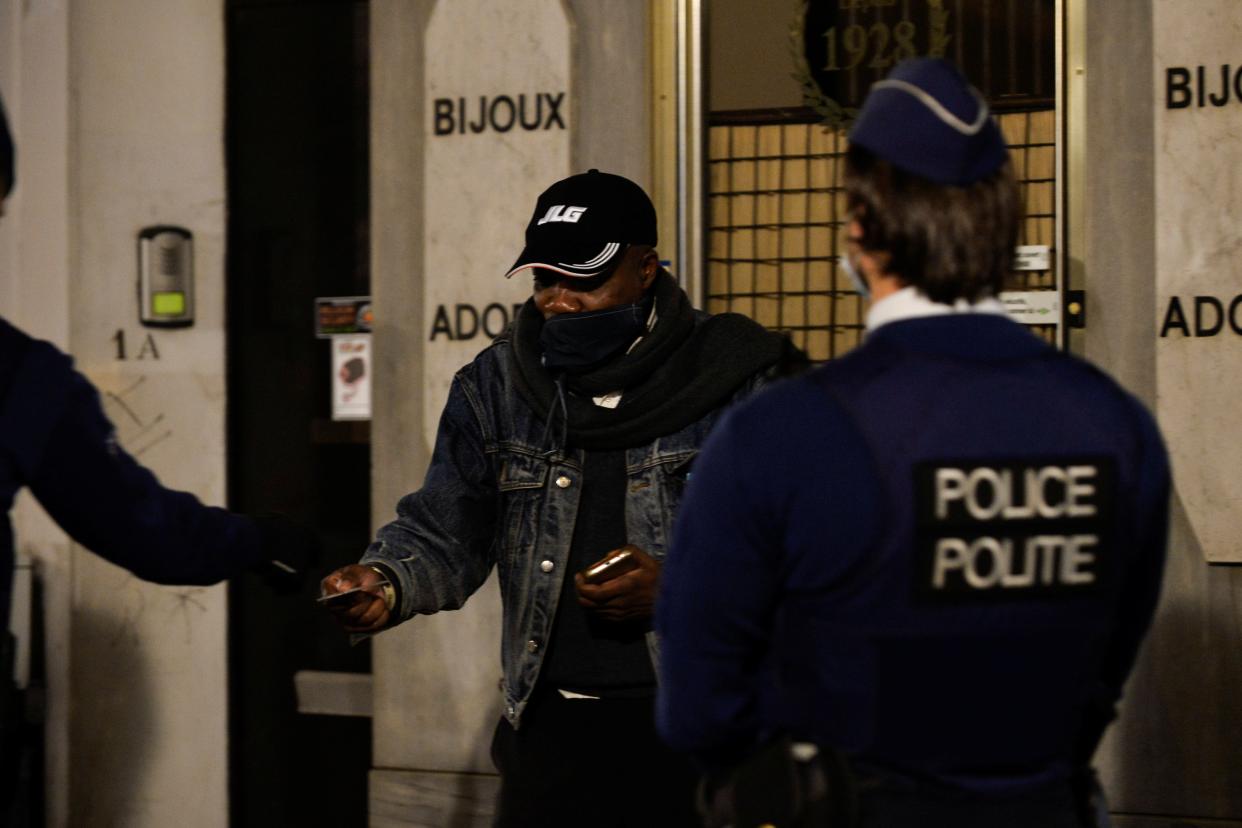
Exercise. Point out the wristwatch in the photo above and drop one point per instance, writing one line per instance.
(389, 593)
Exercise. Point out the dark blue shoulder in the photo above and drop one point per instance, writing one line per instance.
(13, 345)
(788, 408)
(24, 359)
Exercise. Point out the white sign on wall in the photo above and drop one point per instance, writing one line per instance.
(351, 377)
(497, 135)
(1032, 257)
(1198, 248)
(1033, 307)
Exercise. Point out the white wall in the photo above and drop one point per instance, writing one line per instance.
(118, 110)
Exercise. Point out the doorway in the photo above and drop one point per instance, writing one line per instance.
(297, 144)
(781, 77)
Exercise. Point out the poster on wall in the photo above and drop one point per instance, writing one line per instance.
(351, 377)
(1198, 324)
(841, 47)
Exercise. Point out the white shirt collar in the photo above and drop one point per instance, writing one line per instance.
(911, 303)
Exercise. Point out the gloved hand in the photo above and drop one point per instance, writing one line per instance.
(781, 783)
(291, 550)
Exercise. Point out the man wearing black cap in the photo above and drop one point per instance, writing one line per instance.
(570, 437)
(56, 441)
(937, 555)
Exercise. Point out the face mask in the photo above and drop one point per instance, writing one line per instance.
(860, 284)
(573, 341)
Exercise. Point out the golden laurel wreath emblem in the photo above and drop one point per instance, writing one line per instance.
(833, 114)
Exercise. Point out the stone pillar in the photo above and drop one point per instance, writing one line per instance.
(1158, 187)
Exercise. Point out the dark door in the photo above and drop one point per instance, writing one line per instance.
(298, 206)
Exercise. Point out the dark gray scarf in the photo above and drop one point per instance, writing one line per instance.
(676, 374)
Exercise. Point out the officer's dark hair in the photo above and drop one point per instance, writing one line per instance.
(950, 242)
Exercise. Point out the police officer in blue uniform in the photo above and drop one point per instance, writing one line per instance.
(56, 441)
(936, 556)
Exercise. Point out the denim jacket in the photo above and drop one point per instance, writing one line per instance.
(500, 491)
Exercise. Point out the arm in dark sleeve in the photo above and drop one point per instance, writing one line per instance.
(439, 550)
(1145, 572)
(110, 503)
(718, 587)
(1140, 591)
(783, 500)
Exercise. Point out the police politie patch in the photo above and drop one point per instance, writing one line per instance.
(1014, 529)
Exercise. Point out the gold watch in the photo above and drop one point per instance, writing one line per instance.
(389, 593)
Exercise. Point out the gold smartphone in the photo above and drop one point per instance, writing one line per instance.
(617, 562)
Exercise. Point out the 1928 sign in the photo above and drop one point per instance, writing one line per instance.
(1005, 47)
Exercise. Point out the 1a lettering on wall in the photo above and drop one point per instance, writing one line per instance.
(147, 351)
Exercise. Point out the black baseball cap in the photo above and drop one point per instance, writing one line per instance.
(583, 224)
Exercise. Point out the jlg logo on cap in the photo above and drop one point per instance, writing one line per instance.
(560, 212)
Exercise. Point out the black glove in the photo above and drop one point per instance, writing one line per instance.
(781, 783)
(291, 551)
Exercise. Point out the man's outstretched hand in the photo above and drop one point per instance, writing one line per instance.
(364, 611)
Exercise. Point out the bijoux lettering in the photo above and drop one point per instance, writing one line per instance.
(502, 113)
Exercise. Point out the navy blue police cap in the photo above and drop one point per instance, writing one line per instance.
(7, 174)
(583, 224)
(925, 119)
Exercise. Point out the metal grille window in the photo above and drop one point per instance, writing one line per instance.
(1032, 145)
(777, 223)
